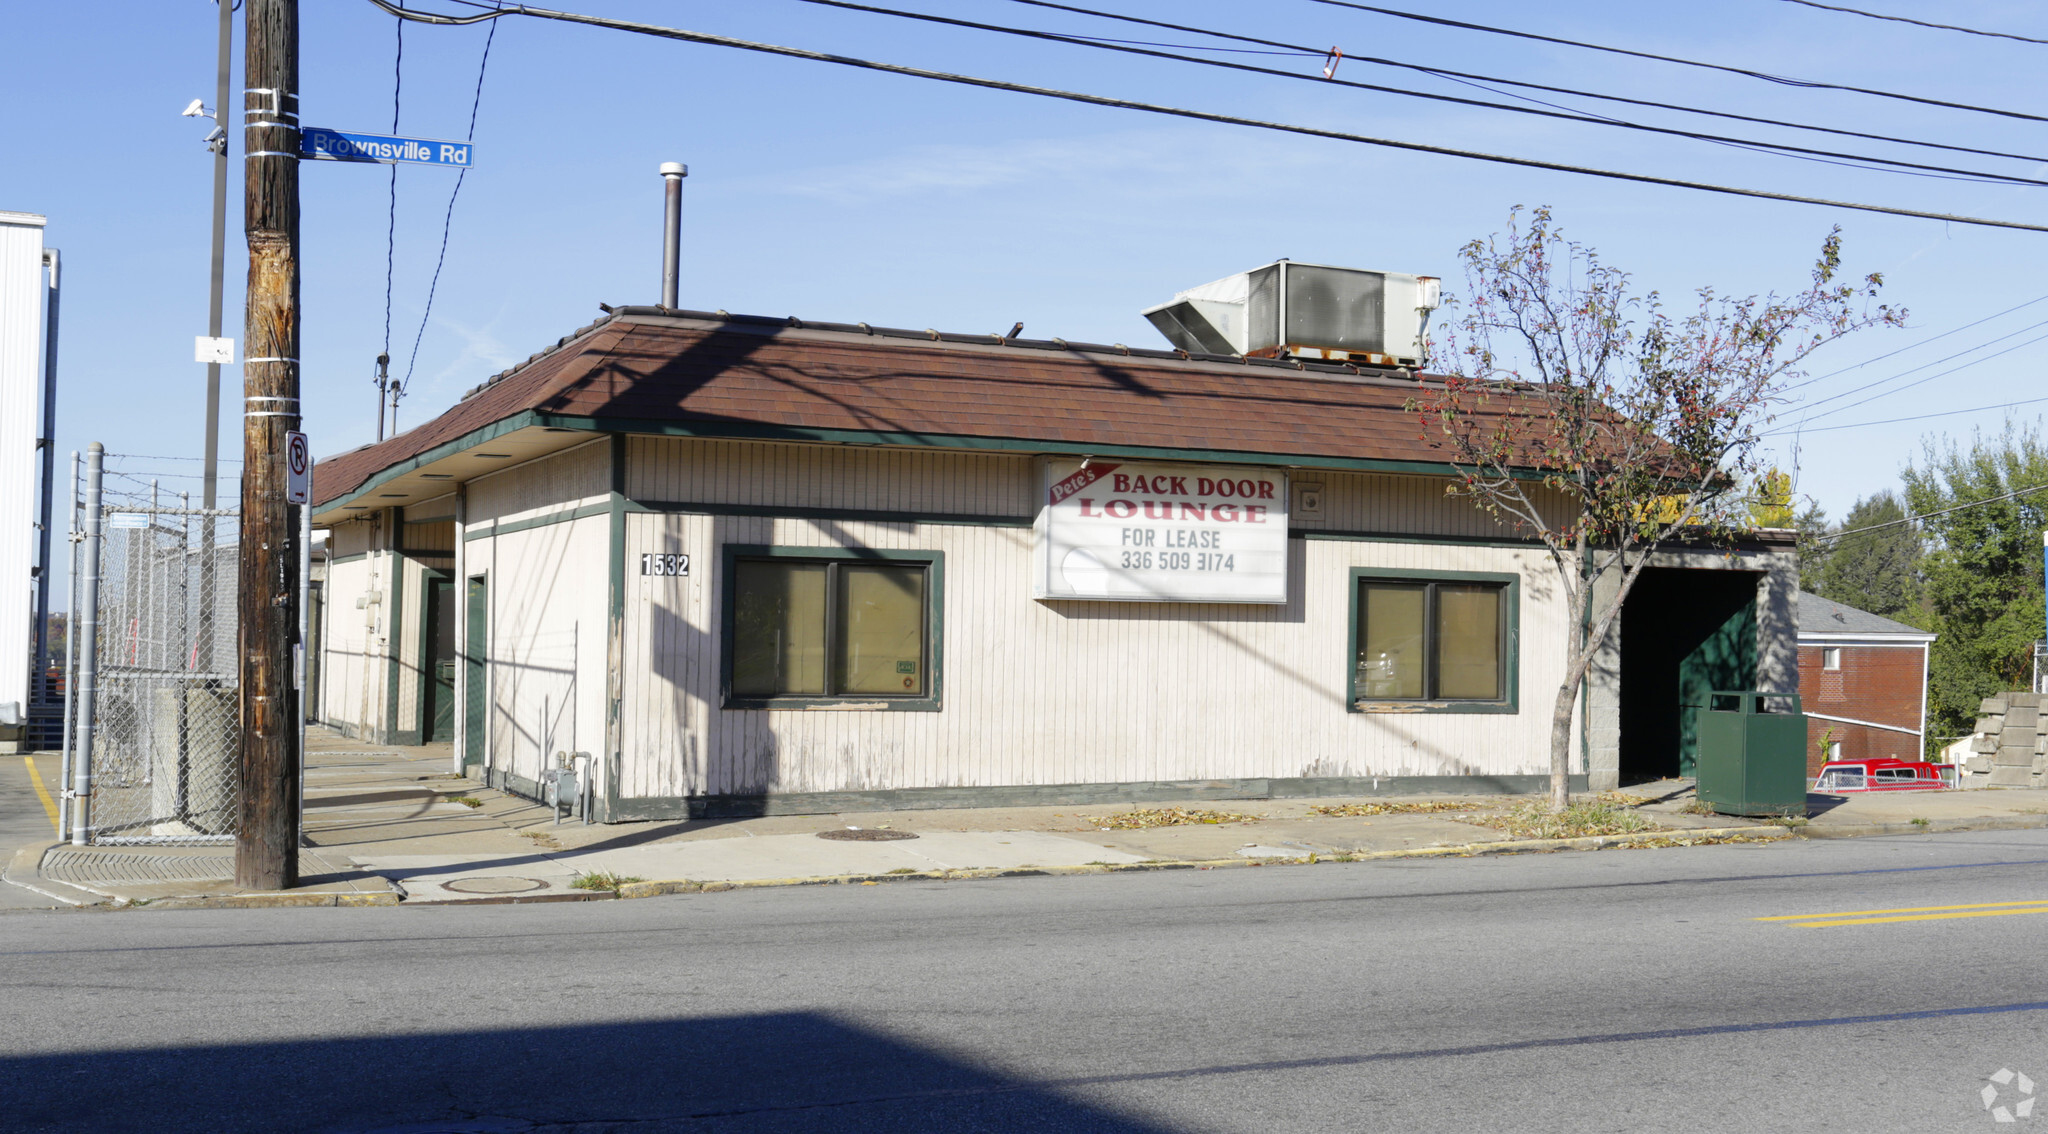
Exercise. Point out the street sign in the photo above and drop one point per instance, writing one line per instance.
(322, 144)
(298, 469)
(207, 348)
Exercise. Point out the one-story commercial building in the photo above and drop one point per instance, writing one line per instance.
(755, 565)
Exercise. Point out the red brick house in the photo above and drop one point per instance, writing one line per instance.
(1863, 681)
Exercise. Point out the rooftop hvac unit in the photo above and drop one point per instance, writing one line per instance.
(1295, 310)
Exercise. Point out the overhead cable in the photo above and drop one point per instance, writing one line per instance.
(1918, 23)
(1937, 362)
(448, 218)
(1182, 112)
(1855, 160)
(1928, 515)
(1897, 420)
(1445, 73)
(1813, 84)
(1918, 345)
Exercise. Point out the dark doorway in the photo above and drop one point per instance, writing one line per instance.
(1684, 633)
(475, 677)
(437, 707)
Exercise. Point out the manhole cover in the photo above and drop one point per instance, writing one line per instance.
(498, 885)
(860, 835)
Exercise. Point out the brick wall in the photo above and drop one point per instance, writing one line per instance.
(1881, 684)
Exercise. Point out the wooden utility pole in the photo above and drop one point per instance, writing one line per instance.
(266, 841)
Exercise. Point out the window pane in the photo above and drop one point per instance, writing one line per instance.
(1390, 657)
(1468, 642)
(881, 630)
(778, 628)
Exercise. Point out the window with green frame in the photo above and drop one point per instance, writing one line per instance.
(1445, 640)
(805, 626)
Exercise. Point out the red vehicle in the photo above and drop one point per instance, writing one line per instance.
(1883, 775)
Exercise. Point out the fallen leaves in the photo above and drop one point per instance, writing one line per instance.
(1405, 808)
(1141, 818)
(1535, 820)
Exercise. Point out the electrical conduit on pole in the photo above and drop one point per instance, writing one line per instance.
(86, 604)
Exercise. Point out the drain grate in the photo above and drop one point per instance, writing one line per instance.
(867, 835)
(120, 868)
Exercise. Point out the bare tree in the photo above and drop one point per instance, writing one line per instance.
(1598, 422)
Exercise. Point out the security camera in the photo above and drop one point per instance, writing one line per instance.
(198, 109)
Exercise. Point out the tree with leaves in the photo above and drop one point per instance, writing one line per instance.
(1983, 566)
(1560, 382)
(1876, 566)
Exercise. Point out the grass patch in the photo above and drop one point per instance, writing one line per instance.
(1141, 818)
(1535, 820)
(1417, 807)
(542, 838)
(1623, 798)
(1920, 822)
(903, 870)
(468, 801)
(1698, 807)
(602, 880)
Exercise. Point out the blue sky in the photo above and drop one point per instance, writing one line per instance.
(836, 194)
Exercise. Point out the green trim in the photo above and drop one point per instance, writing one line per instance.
(426, 661)
(1511, 633)
(440, 520)
(615, 620)
(752, 431)
(426, 552)
(642, 808)
(870, 515)
(935, 628)
(470, 440)
(1390, 537)
(489, 528)
(332, 560)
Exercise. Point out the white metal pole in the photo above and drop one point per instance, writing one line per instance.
(87, 629)
(70, 655)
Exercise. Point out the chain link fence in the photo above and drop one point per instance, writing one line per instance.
(165, 734)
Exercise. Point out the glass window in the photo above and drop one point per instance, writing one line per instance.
(806, 627)
(1431, 641)
(1831, 657)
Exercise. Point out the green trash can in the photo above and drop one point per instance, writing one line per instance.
(1753, 753)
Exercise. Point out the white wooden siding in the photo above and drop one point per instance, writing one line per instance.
(678, 470)
(1062, 692)
(547, 641)
(353, 671)
(562, 482)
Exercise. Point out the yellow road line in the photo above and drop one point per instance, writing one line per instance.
(1918, 917)
(43, 793)
(1905, 910)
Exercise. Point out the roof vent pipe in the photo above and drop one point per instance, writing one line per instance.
(672, 173)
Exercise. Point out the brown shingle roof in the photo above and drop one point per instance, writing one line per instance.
(777, 379)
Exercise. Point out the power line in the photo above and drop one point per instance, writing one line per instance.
(1918, 345)
(1925, 365)
(1557, 112)
(1918, 23)
(1915, 417)
(1811, 84)
(1445, 73)
(448, 219)
(1929, 515)
(1176, 112)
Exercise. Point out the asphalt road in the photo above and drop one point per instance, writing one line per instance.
(1622, 990)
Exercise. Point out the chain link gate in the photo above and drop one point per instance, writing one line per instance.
(166, 735)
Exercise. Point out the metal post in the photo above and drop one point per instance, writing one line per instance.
(86, 625)
(70, 655)
(47, 443)
(672, 174)
(383, 386)
(302, 662)
(209, 474)
(266, 850)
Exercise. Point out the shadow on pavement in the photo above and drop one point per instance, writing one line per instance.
(787, 1071)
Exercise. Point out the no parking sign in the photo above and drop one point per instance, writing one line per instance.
(298, 469)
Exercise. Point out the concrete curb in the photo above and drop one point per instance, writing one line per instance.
(1463, 850)
(1931, 827)
(27, 864)
(262, 901)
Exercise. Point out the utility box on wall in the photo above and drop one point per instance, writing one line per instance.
(1752, 762)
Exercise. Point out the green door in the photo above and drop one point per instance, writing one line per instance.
(473, 664)
(438, 707)
(1724, 659)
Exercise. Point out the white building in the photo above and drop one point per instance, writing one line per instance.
(22, 296)
(759, 565)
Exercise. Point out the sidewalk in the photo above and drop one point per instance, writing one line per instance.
(393, 826)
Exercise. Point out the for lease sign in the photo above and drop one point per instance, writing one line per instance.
(1143, 532)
